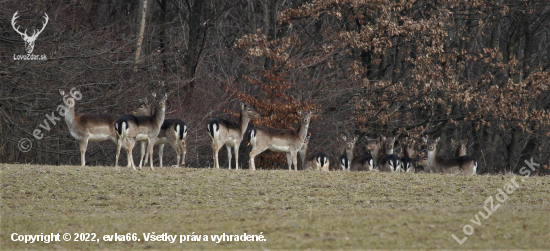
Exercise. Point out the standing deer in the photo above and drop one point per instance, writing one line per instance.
(279, 140)
(317, 161)
(224, 132)
(172, 132)
(464, 164)
(89, 127)
(132, 128)
(460, 147)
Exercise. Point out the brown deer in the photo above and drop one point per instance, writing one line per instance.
(172, 132)
(280, 140)
(132, 128)
(460, 147)
(224, 132)
(464, 164)
(89, 127)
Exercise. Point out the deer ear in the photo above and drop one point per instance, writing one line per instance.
(425, 139)
(154, 95)
(354, 139)
(437, 140)
(165, 96)
(299, 112)
(62, 92)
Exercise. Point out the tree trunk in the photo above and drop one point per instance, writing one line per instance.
(143, 17)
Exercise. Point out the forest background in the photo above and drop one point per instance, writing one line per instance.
(461, 69)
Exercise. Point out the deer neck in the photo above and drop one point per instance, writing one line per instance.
(349, 153)
(243, 121)
(303, 131)
(159, 115)
(70, 116)
(433, 160)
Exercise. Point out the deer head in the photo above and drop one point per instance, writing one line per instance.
(29, 40)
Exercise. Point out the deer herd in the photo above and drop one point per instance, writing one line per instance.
(147, 124)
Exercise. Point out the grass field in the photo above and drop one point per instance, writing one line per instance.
(292, 210)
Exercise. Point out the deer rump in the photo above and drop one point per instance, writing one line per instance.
(214, 125)
(362, 163)
(389, 163)
(178, 125)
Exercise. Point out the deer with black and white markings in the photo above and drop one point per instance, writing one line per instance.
(172, 132)
(88, 127)
(458, 165)
(384, 162)
(318, 161)
(132, 128)
(407, 162)
(280, 140)
(224, 132)
(345, 164)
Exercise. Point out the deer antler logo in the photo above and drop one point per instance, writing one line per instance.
(29, 40)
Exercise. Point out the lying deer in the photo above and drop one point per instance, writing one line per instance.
(317, 161)
(407, 162)
(172, 132)
(89, 127)
(132, 128)
(279, 140)
(224, 132)
(464, 164)
(344, 162)
(384, 162)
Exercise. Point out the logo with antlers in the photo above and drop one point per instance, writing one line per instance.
(29, 40)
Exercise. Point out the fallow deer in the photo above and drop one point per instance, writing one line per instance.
(89, 127)
(317, 161)
(279, 140)
(407, 162)
(348, 147)
(172, 132)
(362, 163)
(460, 147)
(224, 132)
(132, 128)
(384, 162)
(464, 164)
(344, 162)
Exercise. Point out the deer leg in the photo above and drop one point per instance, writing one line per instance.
(142, 154)
(183, 152)
(252, 155)
(228, 156)
(161, 152)
(131, 145)
(236, 156)
(295, 161)
(289, 161)
(118, 146)
(151, 143)
(83, 144)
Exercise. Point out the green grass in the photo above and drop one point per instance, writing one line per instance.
(293, 210)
